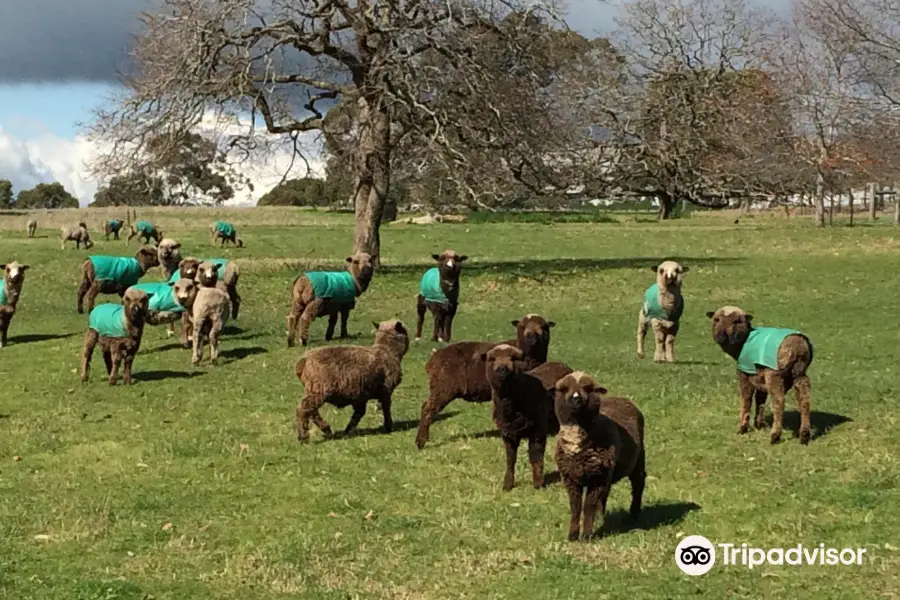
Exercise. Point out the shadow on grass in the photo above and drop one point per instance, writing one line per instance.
(165, 374)
(563, 265)
(166, 347)
(651, 517)
(231, 330)
(40, 337)
(399, 426)
(240, 353)
(822, 422)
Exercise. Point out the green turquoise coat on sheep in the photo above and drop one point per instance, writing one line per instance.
(226, 229)
(222, 262)
(108, 320)
(334, 285)
(430, 287)
(3, 299)
(654, 310)
(121, 269)
(144, 227)
(115, 224)
(761, 348)
(163, 297)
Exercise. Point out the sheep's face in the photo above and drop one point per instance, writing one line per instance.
(169, 250)
(449, 264)
(82, 225)
(147, 256)
(208, 273)
(572, 393)
(501, 362)
(14, 272)
(185, 291)
(669, 273)
(137, 305)
(189, 268)
(533, 331)
(393, 330)
(361, 265)
(730, 326)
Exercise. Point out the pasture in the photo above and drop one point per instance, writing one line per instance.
(191, 483)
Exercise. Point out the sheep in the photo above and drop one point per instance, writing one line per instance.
(169, 256)
(439, 293)
(770, 360)
(661, 310)
(600, 441)
(225, 232)
(319, 293)
(208, 316)
(146, 230)
(227, 275)
(10, 290)
(113, 274)
(31, 227)
(170, 301)
(522, 406)
(79, 235)
(112, 226)
(118, 329)
(452, 372)
(351, 376)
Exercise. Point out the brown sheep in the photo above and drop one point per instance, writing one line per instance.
(351, 376)
(453, 372)
(79, 235)
(31, 227)
(661, 311)
(146, 230)
(600, 441)
(10, 290)
(112, 226)
(113, 274)
(439, 293)
(227, 275)
(318, 293)
(208, 314)
(118, 329)
(770, 360)
(522, 406)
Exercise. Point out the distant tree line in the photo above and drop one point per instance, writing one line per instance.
(43, 195)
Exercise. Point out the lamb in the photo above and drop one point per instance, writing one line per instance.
(118, 329)
(523, 406)
(169, 302)
(319, 293)
(661, 310)
(351, 376)
(113, 274)
(770, 360)
(227, 275)
(600, 441)
(225, 232)
(208, 317)
(31, 227)
(112, 226)
(169, 256)
(10, 290)
(79, 236)
(146, 230)
(453, 373)
(439, 293)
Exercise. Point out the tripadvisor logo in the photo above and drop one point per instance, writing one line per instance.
(696, 555)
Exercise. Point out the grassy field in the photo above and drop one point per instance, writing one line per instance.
(191, 484)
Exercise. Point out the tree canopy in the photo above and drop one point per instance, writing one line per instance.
(6, 192)
(46, 195)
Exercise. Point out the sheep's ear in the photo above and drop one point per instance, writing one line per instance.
(399, 328)
(375, 325)
(710, 313)
(2, 266)
(685, 269)
(515, 323)
(749, 318)
(551, 324)
(172, 284)
(176, 246)
(350, 259)
(654, 268)
(479, 356)
(436, 256)
(600, 390)
(181, 262)
(463, 258)
(24, 268)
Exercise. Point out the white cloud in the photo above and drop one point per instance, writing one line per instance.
(48, 157)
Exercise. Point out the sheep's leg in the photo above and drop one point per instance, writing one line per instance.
(430, 408)
(345, 316)
(87, 351)
(760, 421)
(198, 343)
(306, 320)
(775, 387)
(595, 498)
(131, 235)
(6, 315)
(386, 413)
(802, 389)
(420, 316)
(293, 322)
(448, 323)
(642, 328)
(512, 450)
(575, 504)
(670, 346)
(129, 361)
(332, 322)
(659, 354)
(91, 295)
(638, 480)
(107, 360)
(235, 300)
(187, 328)
(309, 409)
(746, 389)
(170, 329)
(214, 332)
(437, 323)
(359, 411)
(536, 447)
(116, 359)
(82, 290)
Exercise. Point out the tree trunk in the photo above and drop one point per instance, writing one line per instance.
(373, 174)
(873, 203)
(820, 200)
(850, 201)
(896, 207)
(666, 204)
(830, 209)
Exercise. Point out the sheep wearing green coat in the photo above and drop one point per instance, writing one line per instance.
(113, 274)
(117, 329)
(222, 230)
(439, 293)
(661, 311)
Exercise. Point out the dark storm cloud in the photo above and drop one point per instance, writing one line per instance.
(87, 40)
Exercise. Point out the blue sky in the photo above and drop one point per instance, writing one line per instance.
(32, 109)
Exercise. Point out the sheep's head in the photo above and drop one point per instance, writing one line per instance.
(82, 225)
(669, 273)
(14, 272)
(189, 267)
(533, 333)
(137, 305)
(501, 362)
(392, 331)
(572, 394)
(148, 257)
(730, 327)
(361, 266)
(185, 291)
(449, 263)
(207, 273)
(168, 250)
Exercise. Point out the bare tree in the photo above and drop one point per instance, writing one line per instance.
(455, 76)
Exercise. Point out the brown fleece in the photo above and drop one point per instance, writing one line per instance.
(600, 441)
(305, 307)
(118, 350)
(454, 373)
(449, 265)
(90, 287)
(79, 235)
(730, 329)
(208, 316)
(14, 277)
(351, 376)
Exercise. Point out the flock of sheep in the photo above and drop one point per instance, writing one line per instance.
(599, 438)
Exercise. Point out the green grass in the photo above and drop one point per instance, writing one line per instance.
(191, 484)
